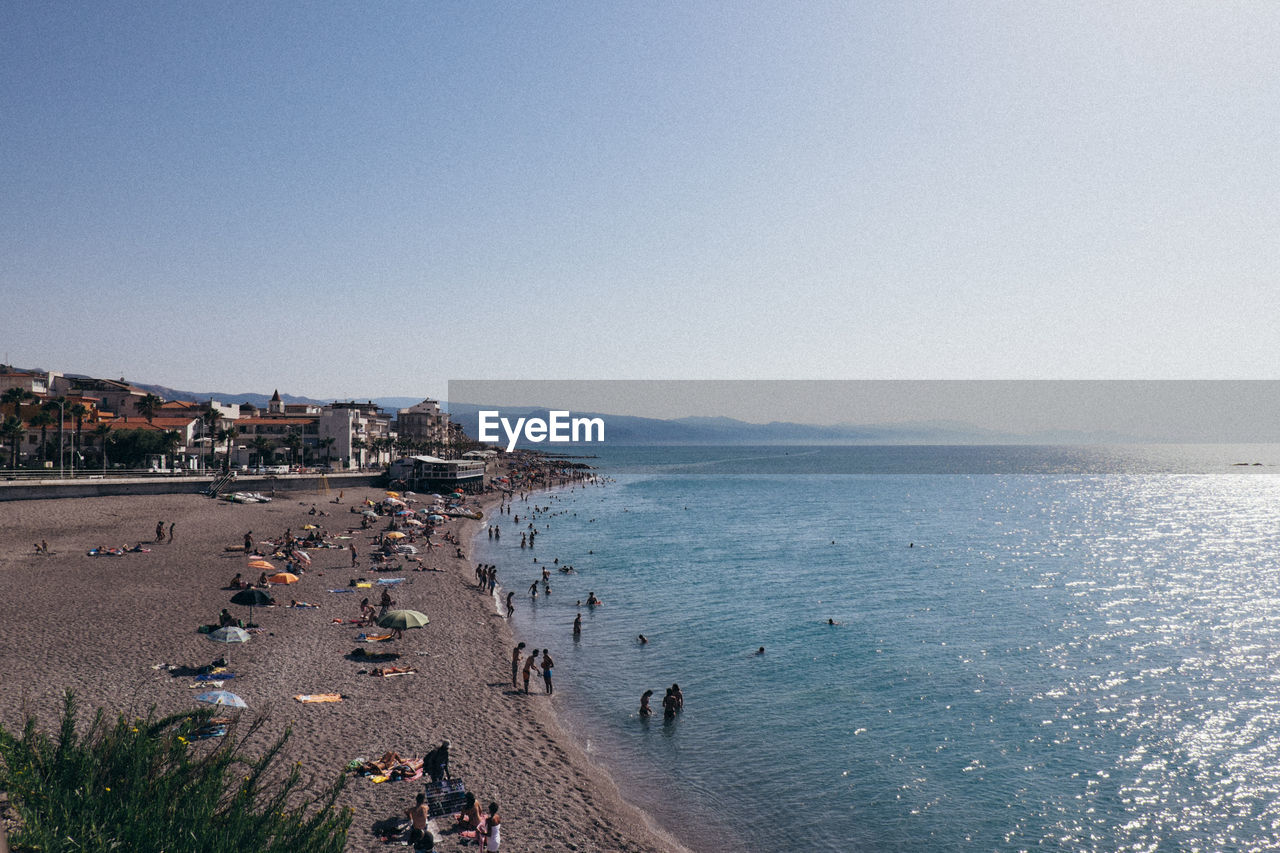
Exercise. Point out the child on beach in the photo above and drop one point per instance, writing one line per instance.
(530, 664)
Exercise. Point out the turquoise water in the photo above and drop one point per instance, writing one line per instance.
(1079, 658)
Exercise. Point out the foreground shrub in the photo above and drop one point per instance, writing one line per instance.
(146, 786)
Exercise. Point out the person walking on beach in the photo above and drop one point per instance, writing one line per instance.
(515, 664)
(546, 671)
(353, 555)
(171, 526)
(511, 608)
(530, 664)
(384, 604)
(248, 542)
(160, 531)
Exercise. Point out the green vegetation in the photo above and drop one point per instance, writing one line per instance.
(147, 785)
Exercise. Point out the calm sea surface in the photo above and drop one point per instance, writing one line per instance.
(1036, 648)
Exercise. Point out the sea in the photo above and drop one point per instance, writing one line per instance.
(965, 648)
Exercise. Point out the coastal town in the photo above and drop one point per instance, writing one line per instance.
(71, 424)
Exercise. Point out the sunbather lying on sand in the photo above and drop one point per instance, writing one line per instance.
(386, 671)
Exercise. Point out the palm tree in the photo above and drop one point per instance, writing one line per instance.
(229, 435)
(57, 404)
(293, 441)
(12, 431)
(78, 411)
(148, 404)
(15, 397)
(169, 443)
(44, 420)
(102, 434)
(263, 446)
(209, 420)
(327, 443)
(359, 444)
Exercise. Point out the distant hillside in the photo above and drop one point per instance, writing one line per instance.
(628, 430)
(259, 400)
(391, 404)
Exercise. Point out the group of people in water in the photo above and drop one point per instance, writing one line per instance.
(672, 703)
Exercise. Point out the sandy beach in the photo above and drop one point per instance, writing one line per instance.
(102, 626)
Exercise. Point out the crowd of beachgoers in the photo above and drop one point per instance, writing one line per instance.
(348, 617)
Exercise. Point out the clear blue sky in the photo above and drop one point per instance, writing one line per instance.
(370, 199)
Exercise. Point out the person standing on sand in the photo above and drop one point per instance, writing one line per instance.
(160, 531)
(353, 555)
(546, 671)
(248, 542)
(515, 664)
(489, 835)
(511, 608)
(530, 663)
(171, 526)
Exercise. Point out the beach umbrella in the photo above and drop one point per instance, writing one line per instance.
(251, 597)
(228, 635)
(221, 697)
(370, 512)
(435, 519)
(395, 534)
(302, 556)
(414, 522)
(405, 512)
(260, 564)
(283, 577)
(393, 494)
(403, 619)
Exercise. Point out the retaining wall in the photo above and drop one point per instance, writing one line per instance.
(90, 487)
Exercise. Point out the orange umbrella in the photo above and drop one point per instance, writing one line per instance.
(260, 564)
(283, 577)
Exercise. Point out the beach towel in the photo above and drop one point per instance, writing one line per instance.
(308, 698)
(203, 685)
(342, 590)
(390, 580)
(215, 676)
(373, 638)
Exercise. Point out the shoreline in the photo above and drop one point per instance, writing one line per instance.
(101, 625)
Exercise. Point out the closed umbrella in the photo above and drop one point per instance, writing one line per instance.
(222, 697)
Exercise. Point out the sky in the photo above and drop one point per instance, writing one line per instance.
(361, 200)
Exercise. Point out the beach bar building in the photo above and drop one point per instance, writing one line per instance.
(431, 474)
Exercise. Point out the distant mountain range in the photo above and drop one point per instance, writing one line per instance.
(630, 430)
(392, 404)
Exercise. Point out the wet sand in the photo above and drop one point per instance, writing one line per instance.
(99, 625)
